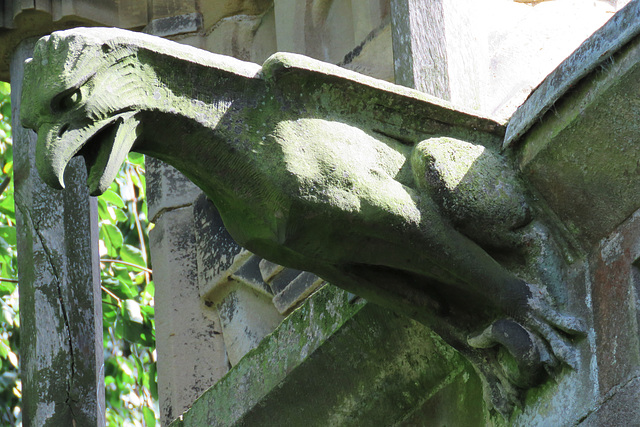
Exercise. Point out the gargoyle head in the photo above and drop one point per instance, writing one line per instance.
(81, 97)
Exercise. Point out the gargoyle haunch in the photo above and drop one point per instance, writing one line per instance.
(376, 188)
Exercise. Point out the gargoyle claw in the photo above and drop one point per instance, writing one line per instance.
(524, 348)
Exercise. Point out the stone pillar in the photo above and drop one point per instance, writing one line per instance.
(191, 350)
(436, 49)
(60, 298)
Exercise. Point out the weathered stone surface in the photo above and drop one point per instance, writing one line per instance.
(21, 20)
(250, 274)
(335, 363)
(218, 254)
(615, 306)
(250, 38)
(60, 297)
(305, 174)
(621, 407)
(280, 281)
(582, 157)
(160, 9)
(230, 279)
(296, 291)
(169, 188)
(374, 55)
(623, 27)
(213, 12)
(175, 25)
(246, 316)
(191, 349)
(457, 402)
(435, 50)
(269, 269)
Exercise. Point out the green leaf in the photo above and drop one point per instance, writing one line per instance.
(148, 311)
(120, 289)
(136, 158)
(112, 238)
(150, 289)
(149, 417)
(8, 234)
(120, 216)
(113, 198)
(6, 111)
(109, 313)
(121, 272)
(133, 255)
(153, 380)
(103, 211)
(131, 311)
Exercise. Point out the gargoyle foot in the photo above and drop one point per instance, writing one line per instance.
(553, 329)
(522, 364)
(524, 349)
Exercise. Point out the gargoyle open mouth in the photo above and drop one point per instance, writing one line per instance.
(103, 144)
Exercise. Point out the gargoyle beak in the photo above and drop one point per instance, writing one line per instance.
(52, 155)
(104, 146)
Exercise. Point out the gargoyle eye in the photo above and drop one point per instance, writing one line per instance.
(67, 101)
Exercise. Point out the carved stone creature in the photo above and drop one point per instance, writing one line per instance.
(376, 188)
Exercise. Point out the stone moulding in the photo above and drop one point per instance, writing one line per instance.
(611, 37)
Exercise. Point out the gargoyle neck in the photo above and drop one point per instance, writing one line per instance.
(202, 126)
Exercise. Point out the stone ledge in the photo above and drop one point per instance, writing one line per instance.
(333, 362)
(582, 156)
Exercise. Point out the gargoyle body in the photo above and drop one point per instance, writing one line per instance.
(403, 216)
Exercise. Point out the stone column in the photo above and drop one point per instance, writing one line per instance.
(436, 49)
(191, 350)
(60, 298)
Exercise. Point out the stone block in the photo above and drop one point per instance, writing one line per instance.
(614, 304)
(620, 408)
(461, 394)
(368, 16)
(436, 49)
(246, 316)
(269, 269)
(249, 273)
(247, 37)
(171, 8)
(582, 156)
(230, 279)
(319, 29)
(296, 291)
(61, 345)
(281, 280)
(167, 188)
(175, 25)
(191, 350)
(374, 55)
(214, 11)
(218, 255)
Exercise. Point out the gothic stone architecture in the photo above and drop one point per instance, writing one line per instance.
(241, 335)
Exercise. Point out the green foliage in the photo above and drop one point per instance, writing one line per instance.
(127, 297)
(10, 386)
(127, 300)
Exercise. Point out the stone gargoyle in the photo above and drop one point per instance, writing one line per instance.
(381, 190)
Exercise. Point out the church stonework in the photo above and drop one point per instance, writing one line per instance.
(497, 259)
